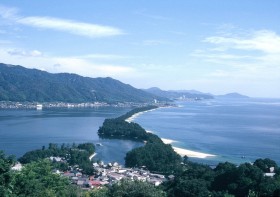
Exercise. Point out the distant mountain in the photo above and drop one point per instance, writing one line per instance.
(187, 91)
(233, 95)
(181, 94)
(21, 84)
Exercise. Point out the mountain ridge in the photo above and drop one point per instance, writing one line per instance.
(18, 83)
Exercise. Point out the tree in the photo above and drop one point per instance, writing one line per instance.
(36, 179)
(102, 192)
(265, 164)
(5, 174)
(190, 188)
(128, 188)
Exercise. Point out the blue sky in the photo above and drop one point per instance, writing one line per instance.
(213, 46)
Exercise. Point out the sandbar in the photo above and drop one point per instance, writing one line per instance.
(182, 152)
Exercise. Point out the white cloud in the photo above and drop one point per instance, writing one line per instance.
(78, 28)
(58, 24)
(54, 64)
(263, 40)
(20, 52)
(87, 68)
(243, 61)
(258, 49)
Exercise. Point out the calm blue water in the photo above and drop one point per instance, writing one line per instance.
(229, 129)
(25, 130)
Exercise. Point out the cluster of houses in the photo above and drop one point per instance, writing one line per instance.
(35, 105)
(108, 174)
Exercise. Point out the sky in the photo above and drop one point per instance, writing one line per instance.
(214, 46)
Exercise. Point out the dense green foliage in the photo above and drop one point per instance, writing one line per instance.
(36, 179)
(5, 174)
(225, 180)
(128, 188)
(115, 128)
(155, 155)
(194, 180)
(21, 84)
(75, 155)
(119, 128)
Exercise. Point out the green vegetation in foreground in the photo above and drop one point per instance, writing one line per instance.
(37, 180)
(73, 154)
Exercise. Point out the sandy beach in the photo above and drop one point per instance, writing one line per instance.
(191, 153)
(184, 152)
(131, 118)
(91, 156)
(180, 151)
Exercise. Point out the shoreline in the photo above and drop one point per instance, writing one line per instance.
(131, 118)
(181, 151)
(91, 156)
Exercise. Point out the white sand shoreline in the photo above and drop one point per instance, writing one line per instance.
(181, 151)
(131, 118)
(91, 156)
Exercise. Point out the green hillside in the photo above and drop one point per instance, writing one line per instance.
(21, 84)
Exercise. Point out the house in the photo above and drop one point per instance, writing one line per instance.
(56, 159)
(68, 174)
(115, 176)
(157, 175)
(80, 183)
(270, 174)
(155, 181)
(17, 167)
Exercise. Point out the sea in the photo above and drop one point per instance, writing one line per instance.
(234, 130)
(26, 130)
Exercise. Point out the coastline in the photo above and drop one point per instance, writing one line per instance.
(131, 118)
(91, 156)
(181, 151)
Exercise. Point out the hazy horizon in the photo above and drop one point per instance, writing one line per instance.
(210, 46)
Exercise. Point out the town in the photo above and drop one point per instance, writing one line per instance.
(47, 105)
(108, 174)
(105, 174)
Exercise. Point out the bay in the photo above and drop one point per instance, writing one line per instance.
(25, 130)
(235, 130)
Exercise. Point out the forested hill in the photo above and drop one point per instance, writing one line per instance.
(21, 84)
